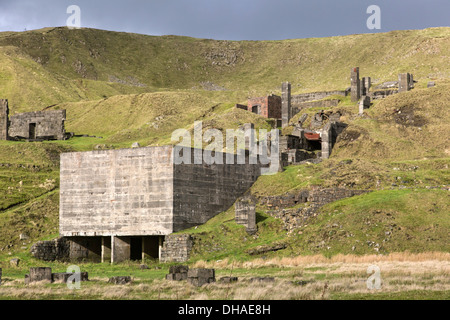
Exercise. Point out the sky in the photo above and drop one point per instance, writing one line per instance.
(230, 19)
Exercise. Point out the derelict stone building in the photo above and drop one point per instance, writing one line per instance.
(119, 204)
(37, 125)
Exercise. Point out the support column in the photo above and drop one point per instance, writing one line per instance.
(285, 104)
(404, 82)
(112, 249)
(160, 245)
(103, 250)
(106, 249)
(121, 249)
(143, 249)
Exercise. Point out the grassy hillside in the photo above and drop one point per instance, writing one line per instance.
(89, 64)
(123, 88)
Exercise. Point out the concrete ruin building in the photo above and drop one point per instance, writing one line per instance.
(120, 204)
(32, 126)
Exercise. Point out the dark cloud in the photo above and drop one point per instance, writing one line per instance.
(230, 19)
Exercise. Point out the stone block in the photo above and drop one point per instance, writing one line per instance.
(120, 280)
(201, 276)
(228, 279)
(38, 274)
(14, 262)
(201, 273)
(176, 276)
(178, 269)
(62, 277)
(262, 279)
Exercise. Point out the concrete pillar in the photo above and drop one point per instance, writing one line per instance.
(106, 249)
(120, 249)
(362, 87)
(160, 245)
(368, 84)
(364, 103)
(245, 213)
(4, 120)
(285, 104)
(404, 82)
(355, 84)
(112, 249)
(143, 249)
(326, 141)
(41, 274)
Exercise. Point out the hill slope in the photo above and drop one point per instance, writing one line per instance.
(127, 88)
(93, 64)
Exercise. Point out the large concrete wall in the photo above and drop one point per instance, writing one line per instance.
(140, 191)
(202, 191)
(117, 192)
(49, 124)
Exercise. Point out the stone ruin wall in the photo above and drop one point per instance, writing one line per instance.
(176, 248)
(49, 124)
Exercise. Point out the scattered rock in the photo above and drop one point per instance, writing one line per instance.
(262, 279)
(14, 262)
(199, 277)
(228, 279)
(266, 248)
(120, 280)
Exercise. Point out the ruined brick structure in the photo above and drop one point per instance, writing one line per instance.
(267, 107)
(121, 203)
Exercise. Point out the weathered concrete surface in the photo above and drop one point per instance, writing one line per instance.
(177, 273)
(117, 192)
(245, 213)
(201, 191)
(57, 249)
(405, 82)
(120, 249)
(40, 274)
(364, 103)
(140, 191)
(201, 276)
